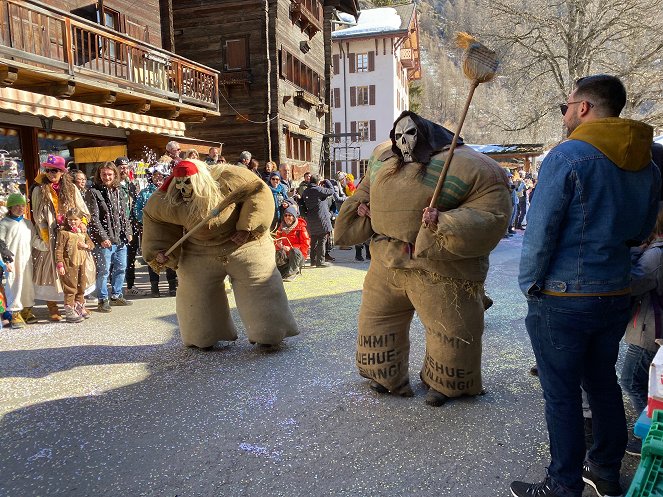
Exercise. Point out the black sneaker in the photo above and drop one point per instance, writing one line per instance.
(359, 258)
(103, 306)
(522, 489)
(604, 488)
(120, 300)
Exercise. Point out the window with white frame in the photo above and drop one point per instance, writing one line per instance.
(363, 131)
(362, 62)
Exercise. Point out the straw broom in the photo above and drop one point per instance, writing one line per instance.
(479, 66)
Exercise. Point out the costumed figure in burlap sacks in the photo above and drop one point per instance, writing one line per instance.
(437, 269)
(235, 243)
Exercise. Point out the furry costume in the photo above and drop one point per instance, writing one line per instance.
(438, 273)
(209, 255)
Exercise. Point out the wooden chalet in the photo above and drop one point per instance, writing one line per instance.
(274, 59)
(89, 80)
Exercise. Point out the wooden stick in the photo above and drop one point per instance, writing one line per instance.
(450, 154)
(233, 197)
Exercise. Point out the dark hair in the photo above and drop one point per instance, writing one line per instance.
(606, 92)
(112, 167)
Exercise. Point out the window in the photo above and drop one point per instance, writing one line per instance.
(362, 131)
(300, 74)
(235, 54)
(362, 95)
(362, 62)
(297, 147)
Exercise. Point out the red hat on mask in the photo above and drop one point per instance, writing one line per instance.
(182, 168)
(55, 162)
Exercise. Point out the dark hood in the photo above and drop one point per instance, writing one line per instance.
(431, 138)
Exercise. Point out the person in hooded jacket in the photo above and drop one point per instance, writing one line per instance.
(280, 193)
(318, 218)
(597, 195)
(292, 243)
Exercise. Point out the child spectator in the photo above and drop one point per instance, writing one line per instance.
(71, 251)
(20, 236)
(292, 244)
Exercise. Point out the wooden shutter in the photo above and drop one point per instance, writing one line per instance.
(353, 96)
(353, 61)
(371, 95)
(337, 98)
(353, 130)
(335, 64)
(235, 54)
(371, 127)
(371, 61)
(337, 131)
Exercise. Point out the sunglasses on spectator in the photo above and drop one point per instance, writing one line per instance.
(275, 179)
(53, 170)
(565, 107)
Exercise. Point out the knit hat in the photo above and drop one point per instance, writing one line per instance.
(15, 199)
(291, 210)
(274, 174)
(55, 162)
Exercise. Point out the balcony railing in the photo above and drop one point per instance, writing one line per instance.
(309, 14)
(38, 35)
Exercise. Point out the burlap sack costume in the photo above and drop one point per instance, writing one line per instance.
(209, 255)
(439, 274)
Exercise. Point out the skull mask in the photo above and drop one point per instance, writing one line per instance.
(405, 135)
(184, 186)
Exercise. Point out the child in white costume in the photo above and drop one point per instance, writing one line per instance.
(20, 236)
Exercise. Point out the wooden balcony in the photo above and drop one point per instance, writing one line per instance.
(49, 51)
(309, 15)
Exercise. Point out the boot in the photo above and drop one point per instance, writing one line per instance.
(17, 321)
(81, 310)
(53, 312)
(358, 256)
(172, 287)
(154, 292)
(368, 252)
(28, 316)
(71, 315)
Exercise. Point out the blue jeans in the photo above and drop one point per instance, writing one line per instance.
(104, 257)
(635, 375)
(576, 342)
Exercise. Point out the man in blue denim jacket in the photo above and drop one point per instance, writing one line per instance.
(597, 195)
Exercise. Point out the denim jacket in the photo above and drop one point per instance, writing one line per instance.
(597, 195)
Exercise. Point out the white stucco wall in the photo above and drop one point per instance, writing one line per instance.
(387, 87)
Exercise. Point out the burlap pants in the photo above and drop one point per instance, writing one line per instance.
(452, 314)
(202, 305)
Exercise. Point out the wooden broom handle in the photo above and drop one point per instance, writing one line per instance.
(232, 198)
(450, 154)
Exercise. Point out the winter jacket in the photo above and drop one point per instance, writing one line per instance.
(318, 217)
(297, 237)
(141, 200)
(597, 195)
(109, 219)
(280, 193)
(646, 277)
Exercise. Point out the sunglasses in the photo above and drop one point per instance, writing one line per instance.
(53, 170)
(274, 179)
(565, 107)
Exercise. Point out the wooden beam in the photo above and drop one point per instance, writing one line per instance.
(138, 107)
(8, 75)
(103, 98)
(63, 90)
(166, 114)
(193, 118)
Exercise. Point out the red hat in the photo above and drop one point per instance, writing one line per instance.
(182, 168)
(55, 162)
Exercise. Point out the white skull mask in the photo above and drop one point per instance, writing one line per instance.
(405, 135)
(184, 186)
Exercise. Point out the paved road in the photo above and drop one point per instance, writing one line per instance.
(117, 407)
